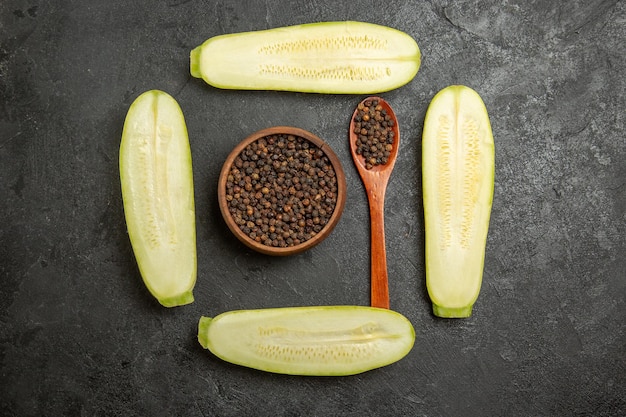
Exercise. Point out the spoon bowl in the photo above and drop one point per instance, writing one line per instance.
(359, 160)
(375, 178)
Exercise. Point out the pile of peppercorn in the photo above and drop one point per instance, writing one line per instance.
(374, 128)
(281, 190)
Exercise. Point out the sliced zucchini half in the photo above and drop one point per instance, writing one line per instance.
(327, 340)
(458, 179)
(157, 190)
(328, 57)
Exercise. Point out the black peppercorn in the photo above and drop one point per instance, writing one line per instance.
(281, 190)
(375, 136)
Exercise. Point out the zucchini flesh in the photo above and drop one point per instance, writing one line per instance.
(458, 179)
(327, 340)
(157, 190)
(327, 57)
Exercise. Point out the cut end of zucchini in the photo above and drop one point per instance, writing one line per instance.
(327, 57)
(458, 178)
(157, 190)
(178, 300)
(194, 62)
(451, 312)
(203, 331)
(321, 341)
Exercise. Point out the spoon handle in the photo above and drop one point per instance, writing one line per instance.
(379, 284)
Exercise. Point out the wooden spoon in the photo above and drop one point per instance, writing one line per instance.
(375, 181)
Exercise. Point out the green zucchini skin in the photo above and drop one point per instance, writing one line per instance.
(328, 57)
(315, 341)
(157, 191)
(458, 163)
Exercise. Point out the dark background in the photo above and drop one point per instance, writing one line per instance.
(81, 336)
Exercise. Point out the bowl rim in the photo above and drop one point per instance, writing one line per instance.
(339, 205)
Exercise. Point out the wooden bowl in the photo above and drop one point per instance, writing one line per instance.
(297, 247)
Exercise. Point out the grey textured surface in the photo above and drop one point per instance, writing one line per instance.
(81, 336)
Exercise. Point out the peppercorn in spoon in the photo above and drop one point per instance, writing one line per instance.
(374, 141)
